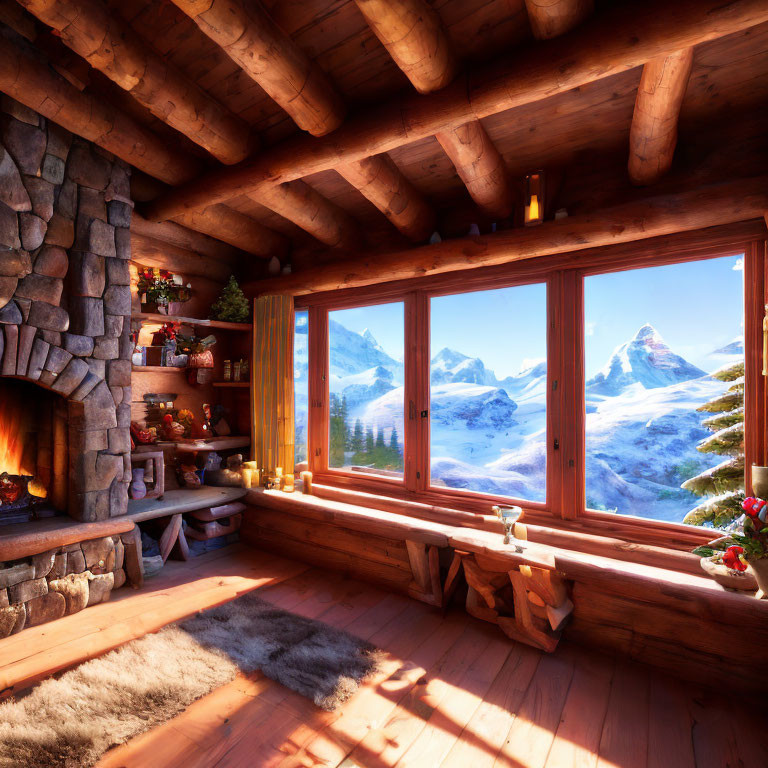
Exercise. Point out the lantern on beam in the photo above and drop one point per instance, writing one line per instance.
(534, 198)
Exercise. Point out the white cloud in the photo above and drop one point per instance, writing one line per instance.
(739, 265)
(589, 328)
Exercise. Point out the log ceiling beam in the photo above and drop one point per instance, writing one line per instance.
(653, 135)
(608, 44)
(684, 211)
(97, 34)
(413, 34)
(253, 41)
(552, 18)
(314, 213)
(249, 36)
(33, 83)
(381, 182)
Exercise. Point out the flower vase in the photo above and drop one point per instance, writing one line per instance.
(760, 481)
(138, 488)
(759, 568)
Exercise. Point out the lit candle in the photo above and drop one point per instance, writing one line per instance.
(288, 484)
(306, 481)
(247, 476)
(278, 471)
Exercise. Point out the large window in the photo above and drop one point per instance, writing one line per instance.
(610, 386)
(488, 391)
(366, 397)
(301, 384)
(664, 364)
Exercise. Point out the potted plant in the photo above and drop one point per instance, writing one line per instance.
(745, 550)
(161, 291)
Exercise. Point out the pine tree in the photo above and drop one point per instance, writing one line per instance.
(369, 445)
(724, 483)
(357, 445)
(231, 306)
(395, 457)
(337, 433)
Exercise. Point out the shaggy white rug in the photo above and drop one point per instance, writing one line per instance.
(71, 721)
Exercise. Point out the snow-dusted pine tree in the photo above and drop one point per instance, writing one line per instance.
(723, 485)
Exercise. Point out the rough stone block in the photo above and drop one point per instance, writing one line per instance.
(117, 300)
(51, 261)
(9, 228)
(119, 440)
(12, 190)
(101, 239)
(41, 288)
(86, 386)
(59, 569)
(25, 142)
(43, 563)
(119, 187)
(59, 141)
(19, 111)
(90, 440)
(99, 555)
(41, 194)
(87, 168)
(119, 553)
(119, 373)
(74, 588)
(80, 346)
(119, 213)
(11, 345)
(45, 608)
(57, 361)
(24, 306)
(51, 337)
(48, 317)
(87, 316)
(100, 588)
(10, 314)
(32, 230)
(91, 204)
(87, 275)
(119, 575)
(123, 243)
(117, 394)
(37, 359)
(66, 200)
(75, 561)
(71, 377)
(90, 506)
(97, 367)
(113, 326)
(26, 340)
(10, 575)
(118, 498)
(4, 602)
(53, 169)
(27, 590)
(94, 471)
(133, 559)
(61, 231)
(105, 348)
(124, 414)
(12, 619)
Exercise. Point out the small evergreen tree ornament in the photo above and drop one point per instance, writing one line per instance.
(231, 306)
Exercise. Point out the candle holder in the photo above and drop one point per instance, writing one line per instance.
(508, 516)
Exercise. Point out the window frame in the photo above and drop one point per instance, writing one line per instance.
(564, 276)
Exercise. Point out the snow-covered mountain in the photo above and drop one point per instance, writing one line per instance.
(489, 434)
(645, 360)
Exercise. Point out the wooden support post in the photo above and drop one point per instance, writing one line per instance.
(106, 42)
(250, 37)
(434, 575)
(170, 536)
(417, 555)
(653, 136)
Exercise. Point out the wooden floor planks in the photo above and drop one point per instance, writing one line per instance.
(451, 692)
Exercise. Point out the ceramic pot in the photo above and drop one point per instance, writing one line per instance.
(759, 569)
(760, 481)
(138, 488)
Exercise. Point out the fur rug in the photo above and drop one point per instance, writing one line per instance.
(69, 722)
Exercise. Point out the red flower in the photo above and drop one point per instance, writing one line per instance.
(168, 419)
(732, 560)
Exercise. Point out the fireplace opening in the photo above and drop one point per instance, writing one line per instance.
(33, 452)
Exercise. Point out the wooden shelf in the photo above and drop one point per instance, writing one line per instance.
(157, 368)
(242, 384)
(155, 317)
(182, 500)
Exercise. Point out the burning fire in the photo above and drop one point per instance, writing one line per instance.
(12, 431)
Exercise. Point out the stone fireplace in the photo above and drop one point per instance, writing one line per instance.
(65, 369)
(65, 372)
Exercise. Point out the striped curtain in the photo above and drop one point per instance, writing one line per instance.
(273, 383)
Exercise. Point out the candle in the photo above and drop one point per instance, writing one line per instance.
(278, 471)
(251, 464)
(247, 476)
(306, 481)
(288, 484)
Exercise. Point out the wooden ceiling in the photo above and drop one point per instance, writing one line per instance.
(580, 136)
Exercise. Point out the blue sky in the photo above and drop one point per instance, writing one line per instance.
(696, 307)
